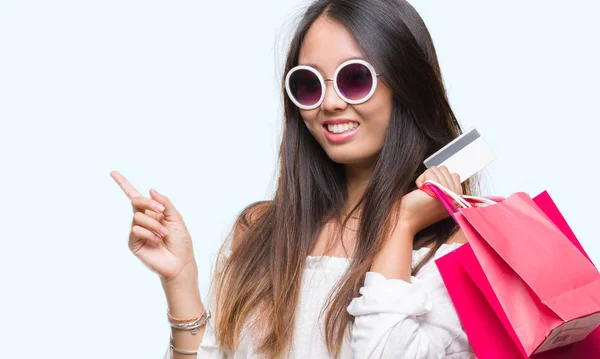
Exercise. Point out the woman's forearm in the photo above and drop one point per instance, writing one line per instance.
(394, 261)
(183, 301)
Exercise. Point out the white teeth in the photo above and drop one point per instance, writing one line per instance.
(342, 128)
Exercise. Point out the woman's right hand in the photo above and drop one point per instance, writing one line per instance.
(158, 235)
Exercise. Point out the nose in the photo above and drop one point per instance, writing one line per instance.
(332, 102)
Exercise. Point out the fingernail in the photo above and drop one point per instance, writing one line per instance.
(164, 231)
(159, 207)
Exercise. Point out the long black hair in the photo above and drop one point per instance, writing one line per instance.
(266, 268)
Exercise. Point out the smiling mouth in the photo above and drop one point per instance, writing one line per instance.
(341, 128)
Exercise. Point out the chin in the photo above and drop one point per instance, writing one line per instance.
(350, 157)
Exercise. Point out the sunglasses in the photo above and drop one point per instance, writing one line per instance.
(354, 81)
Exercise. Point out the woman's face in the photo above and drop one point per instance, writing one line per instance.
(326, 46)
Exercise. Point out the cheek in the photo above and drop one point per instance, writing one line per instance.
(309, 118)
(311, 121)
(377, 113)
(380, 108)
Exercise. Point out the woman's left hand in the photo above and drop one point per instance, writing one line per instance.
(418, 209)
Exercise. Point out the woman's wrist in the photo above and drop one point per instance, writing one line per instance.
(183, 294)
(184, 304)
(188, 275)
(407, 228)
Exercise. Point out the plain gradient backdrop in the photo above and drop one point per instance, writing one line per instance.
(184, 97)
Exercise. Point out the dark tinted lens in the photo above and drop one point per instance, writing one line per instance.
(355, 81)
(305, 87)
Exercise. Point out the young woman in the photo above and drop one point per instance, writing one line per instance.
(340, 262)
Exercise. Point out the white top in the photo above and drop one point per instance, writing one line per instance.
(393, 318)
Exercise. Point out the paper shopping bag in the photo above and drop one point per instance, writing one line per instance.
(486, 333)
(526, 271)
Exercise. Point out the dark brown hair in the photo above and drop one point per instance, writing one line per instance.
(273, 238)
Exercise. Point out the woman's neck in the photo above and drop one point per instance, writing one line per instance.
(358, 177)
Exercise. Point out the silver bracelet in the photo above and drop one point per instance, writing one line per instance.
(193, 324)
(182, 351)
(189, 325)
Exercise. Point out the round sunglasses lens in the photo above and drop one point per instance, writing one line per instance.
(355, 81)
(305, 87)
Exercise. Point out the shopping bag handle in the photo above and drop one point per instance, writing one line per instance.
(435, 192)
(464, 201)
(455, 196)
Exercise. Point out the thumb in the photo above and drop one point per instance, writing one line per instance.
(420, 180)
(171, 213)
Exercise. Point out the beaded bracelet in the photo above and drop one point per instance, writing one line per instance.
(177, 320)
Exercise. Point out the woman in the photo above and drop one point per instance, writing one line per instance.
(340, 262)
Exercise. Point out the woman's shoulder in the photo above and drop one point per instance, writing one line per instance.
(429, 268)
(445, 248)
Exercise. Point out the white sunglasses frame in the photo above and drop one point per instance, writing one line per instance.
(335, 85)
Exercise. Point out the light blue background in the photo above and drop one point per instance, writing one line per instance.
(150, 88)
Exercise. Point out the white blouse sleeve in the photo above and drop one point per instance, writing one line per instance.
(209, 348)
(398, 319)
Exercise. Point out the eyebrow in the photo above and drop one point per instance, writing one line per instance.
(358, 57)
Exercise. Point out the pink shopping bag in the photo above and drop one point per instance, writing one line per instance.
(522, 285)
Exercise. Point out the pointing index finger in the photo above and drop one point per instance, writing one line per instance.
(127, 187)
